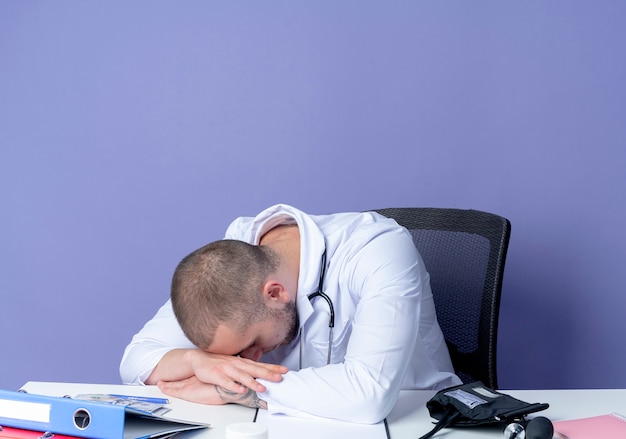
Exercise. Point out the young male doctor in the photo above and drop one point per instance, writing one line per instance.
(303, 315)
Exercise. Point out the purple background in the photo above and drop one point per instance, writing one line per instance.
(133, 132)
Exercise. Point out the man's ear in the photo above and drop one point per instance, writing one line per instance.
(275, 293)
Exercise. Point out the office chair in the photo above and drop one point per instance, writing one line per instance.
(464, 252)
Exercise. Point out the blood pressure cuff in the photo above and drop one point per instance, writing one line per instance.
(476, 404)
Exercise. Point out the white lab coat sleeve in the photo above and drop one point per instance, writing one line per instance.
(162, 333)
(159, 335)
(384, 276)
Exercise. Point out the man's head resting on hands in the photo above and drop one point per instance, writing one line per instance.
(228, 298)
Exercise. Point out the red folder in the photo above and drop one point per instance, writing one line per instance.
(18, 433)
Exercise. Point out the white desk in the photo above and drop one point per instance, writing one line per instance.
(221, 416)
(408, 420)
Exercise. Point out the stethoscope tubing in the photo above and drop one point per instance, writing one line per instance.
(331, 320)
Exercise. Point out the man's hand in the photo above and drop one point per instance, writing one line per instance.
(194, 390)
(232, 374)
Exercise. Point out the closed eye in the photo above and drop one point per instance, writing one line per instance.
(245, 349)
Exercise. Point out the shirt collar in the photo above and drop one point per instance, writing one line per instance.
(312, 247)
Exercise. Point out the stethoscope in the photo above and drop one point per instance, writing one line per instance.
(331, 321)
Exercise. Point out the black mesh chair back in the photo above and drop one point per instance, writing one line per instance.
(464, 252)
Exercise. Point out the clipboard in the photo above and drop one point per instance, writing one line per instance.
(86, 419)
